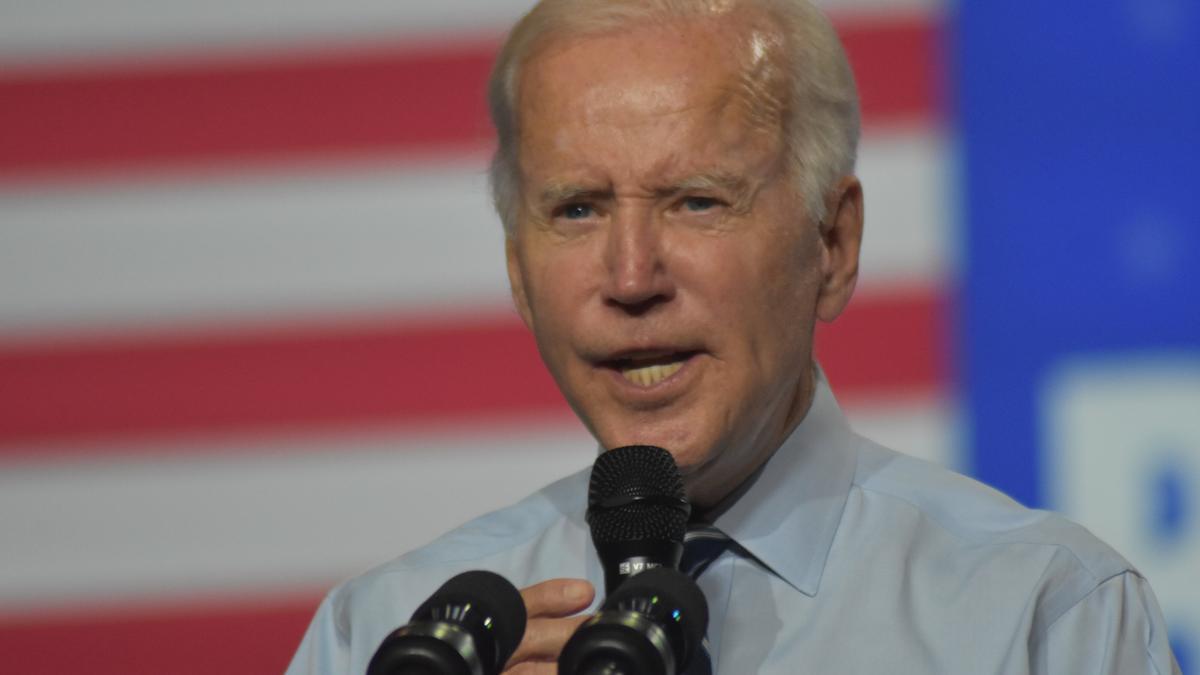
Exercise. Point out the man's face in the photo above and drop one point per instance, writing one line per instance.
(663, 259)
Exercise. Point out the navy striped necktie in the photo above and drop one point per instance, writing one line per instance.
(702, 545)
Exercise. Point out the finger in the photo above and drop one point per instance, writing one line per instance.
(557, 597)
(533, 668)
(544, 639)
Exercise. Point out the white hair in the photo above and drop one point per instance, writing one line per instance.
(797, 73)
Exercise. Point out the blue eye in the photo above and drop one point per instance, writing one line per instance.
(699, 204)
(576, 211)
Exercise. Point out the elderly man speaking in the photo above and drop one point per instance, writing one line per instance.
(676, 182)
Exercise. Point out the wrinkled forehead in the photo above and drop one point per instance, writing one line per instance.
(661, 67)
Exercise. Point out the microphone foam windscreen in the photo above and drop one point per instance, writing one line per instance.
(660, 593)
(491, 594)
(636, 493)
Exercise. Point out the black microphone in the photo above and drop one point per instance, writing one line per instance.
(652, 625)
(469, 626)
(637, 512)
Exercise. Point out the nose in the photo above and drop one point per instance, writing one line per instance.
(638, 278)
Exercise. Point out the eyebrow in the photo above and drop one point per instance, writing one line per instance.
(738, 187)
(741, 190)
(559, 193)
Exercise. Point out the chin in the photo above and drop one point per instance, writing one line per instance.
(681, 448)
(691, 463)
(688, 458)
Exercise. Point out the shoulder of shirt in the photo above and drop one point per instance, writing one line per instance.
(486, 542)
(503, 529)
(976, 515)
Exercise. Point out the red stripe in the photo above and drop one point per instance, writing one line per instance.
(899, 66)
(232, 640)
(364, 101)
(887, 344)
(398, 372)
(388, 372)
(368, 101)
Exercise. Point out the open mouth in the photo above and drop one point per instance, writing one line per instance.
(647, 371)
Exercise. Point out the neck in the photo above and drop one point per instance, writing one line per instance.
(721, 483)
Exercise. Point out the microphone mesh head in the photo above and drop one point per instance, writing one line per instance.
(636, 492)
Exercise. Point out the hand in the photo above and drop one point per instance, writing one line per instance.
(549, 606)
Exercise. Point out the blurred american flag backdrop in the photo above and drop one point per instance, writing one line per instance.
(255, 335)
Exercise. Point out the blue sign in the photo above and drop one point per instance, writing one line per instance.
(1080, 131)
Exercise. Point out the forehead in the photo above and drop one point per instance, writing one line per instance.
(636, 101)
(657, 68)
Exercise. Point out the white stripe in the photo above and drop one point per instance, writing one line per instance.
(238, 246)
(255, 515)
(272, 515)
(907, 238)
(35, 30)
(926, 426)
(355, 239)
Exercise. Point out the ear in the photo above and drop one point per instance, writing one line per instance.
(841, 239)
(516, 280)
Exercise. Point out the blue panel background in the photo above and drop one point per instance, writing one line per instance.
(1080, 126)
(1080, 130)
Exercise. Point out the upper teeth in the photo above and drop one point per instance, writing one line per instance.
(646, 376)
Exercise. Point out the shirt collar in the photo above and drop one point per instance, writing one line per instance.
(788, 515)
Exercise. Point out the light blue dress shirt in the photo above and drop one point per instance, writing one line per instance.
(850, 558)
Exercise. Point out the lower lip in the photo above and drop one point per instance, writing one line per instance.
(677, 381)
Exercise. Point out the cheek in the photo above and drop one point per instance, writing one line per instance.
(771, 294)
(790, 267)
(762, 276)
(556, 285)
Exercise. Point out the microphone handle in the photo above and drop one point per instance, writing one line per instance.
(623, 559)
